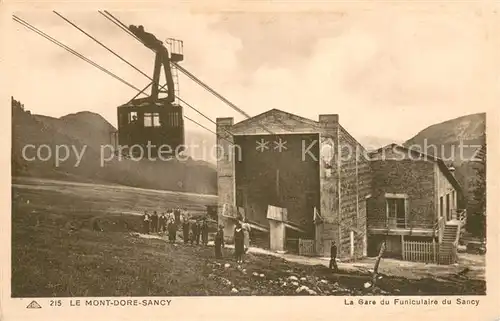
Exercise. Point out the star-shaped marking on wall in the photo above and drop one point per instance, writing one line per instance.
(262, 145)
(280, 145)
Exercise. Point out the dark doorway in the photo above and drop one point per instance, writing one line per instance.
(441, 204)
(275, 170)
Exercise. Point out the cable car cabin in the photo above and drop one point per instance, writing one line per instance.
(161, 123)
(156, 124)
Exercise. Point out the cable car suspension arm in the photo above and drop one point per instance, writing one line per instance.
(72, 51)
(130, 64)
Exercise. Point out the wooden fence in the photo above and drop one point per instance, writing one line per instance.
(299, 246)
(427, 252)
(306, 247)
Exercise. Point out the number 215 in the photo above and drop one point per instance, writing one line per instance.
(55, 303)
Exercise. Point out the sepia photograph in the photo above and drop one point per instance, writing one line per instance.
(163, 153)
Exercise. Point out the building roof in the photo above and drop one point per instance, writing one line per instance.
(442, 166)
(276, 113)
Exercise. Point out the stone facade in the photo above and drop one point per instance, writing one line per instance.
(343, 199)
(225, 174)
(421, 180)
(399, 171)
(328, 231)
(413, 178)
(356, 182)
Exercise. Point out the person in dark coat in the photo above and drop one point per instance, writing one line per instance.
(162, 221)
(154, 222)
(219, 242)
(145, 223)
(177, 216)
(171, 231)
(204, 232)
(195, 233)
(185, 229)
(239, 243)
(198, 233)
(333, 257)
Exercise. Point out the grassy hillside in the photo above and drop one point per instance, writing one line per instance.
(93, 131)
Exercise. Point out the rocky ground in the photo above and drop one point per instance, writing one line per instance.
(254, 281)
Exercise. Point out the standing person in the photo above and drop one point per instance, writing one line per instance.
(145, 223)
(246, 232)
(154, 222)
(185, 229)
(204, 232)
(239, 243)
(165, 222)
(198, 232)
(162, 221)
(333, 257)
(172, 214)
(219, 242)
(177, 216)
(172, 231)
(170, 218)
(194, 232)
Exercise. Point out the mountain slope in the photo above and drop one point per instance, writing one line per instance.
(456, 141)
(84, 133)
(78, 125)
(445, 139)
(467, 127)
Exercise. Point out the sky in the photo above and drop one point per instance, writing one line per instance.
(388, 71)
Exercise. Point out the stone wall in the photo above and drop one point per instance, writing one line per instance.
(225, 176)
(328, 230)
(415, 178)
(355, 185)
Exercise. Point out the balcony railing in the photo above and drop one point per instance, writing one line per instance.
(438, 224)
(394, 223)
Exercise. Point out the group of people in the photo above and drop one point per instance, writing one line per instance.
(154, 223)
(170, 221)
(193, 230)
